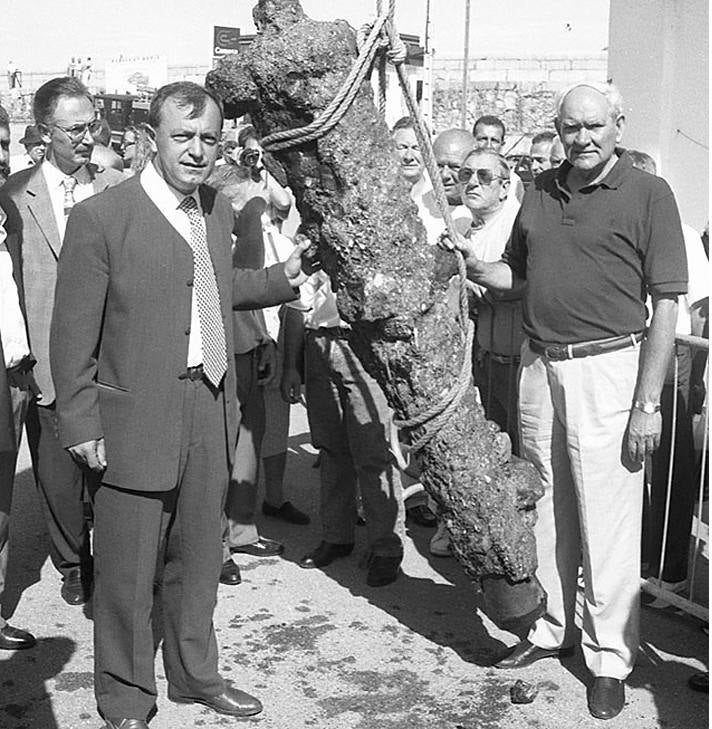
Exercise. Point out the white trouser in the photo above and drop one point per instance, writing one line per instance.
(574, 415)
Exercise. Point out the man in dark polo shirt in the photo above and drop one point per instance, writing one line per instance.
(591, 240)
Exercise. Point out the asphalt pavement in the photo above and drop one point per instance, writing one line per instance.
(322, 650)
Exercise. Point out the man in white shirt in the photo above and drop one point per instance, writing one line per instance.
(37, 202)
(349, 423)
(15, 390)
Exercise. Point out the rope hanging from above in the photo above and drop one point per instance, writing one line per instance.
(381, 39)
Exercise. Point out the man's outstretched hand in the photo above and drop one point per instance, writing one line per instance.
(302, 263)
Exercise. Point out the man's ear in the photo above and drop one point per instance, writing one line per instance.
(504, 190)
(620, 127)
(151, 134)
(45, 133)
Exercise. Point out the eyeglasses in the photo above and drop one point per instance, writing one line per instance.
(484, 176)
(78, 131)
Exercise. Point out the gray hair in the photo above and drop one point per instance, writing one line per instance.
(611, 93)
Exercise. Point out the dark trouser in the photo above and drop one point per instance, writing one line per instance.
(348, 416)
(683, 488)
(19, 398)
(61, 487)
(172, 538)
(241, 501)
(498, 383)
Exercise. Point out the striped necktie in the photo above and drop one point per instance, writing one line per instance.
(206, 293)
(69, 183)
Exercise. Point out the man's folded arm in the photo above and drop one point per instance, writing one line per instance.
(80, 295)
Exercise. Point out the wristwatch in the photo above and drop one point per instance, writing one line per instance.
(649, 408)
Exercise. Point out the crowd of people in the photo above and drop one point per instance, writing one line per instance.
(155, 381)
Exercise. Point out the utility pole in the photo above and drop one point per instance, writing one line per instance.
(426, 101)
(465, 65)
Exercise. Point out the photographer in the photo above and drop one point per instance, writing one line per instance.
(245, 177)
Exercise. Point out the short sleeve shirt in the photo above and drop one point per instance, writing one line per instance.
(590, 258)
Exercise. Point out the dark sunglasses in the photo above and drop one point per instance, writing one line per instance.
(484, 176)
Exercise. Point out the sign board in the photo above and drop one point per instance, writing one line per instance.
(136, 75)
(226, 41)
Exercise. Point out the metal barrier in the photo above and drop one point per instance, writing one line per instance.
(653, 585)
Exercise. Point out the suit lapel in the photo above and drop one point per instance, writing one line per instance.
(216, 237)
(40, 206)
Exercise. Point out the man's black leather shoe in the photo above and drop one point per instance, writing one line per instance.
(230, 573)
(125, 724)
(287, 512)
(74, 590)
(325, 554)
(263, 547)
(231, 701)
(14, 639)
(382, 570)
(606, 697)
(526, 653)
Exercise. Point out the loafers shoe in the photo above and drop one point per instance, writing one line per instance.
(325, 554)
(525, 653)
(421, 515)
(606, 698)
(287, 512)
(230, 573)
(125, 724)
(14, 639)
(263, 547)
(74, 590)
(382, 570)
(231, 702)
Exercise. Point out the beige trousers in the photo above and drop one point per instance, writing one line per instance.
(574, 416)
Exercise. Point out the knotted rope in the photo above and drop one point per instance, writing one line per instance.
(380, 39)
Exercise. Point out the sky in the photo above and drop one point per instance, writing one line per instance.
(41, 35)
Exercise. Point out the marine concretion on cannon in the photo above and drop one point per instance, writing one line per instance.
(392, 287)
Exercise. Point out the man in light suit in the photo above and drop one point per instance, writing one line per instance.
(37, 202)
(146, 396)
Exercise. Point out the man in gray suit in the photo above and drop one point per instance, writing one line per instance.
(146, 397)
(37, 202)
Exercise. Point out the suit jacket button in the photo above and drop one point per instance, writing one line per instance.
(187, 330)
(189, 282)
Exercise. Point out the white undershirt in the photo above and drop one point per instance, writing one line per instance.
(167, 201)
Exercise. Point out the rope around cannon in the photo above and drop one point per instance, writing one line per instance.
(382, 36)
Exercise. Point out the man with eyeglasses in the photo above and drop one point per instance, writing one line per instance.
(484, 178)
(592, 238)
(37, 202)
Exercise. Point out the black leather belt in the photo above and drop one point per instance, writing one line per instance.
(192, 373)
(334, 332)
(558, 352)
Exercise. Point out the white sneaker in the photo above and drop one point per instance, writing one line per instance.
(440, 542)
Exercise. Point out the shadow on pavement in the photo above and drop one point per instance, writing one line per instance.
(29, 542)
(25, 700)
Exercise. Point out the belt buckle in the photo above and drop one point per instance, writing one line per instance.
(556, 352)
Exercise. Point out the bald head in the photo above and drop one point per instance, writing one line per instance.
(450, 148)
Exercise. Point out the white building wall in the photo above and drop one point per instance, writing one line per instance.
(658, 56)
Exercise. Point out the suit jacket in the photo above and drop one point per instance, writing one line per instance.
(34, 244)
(119, 339)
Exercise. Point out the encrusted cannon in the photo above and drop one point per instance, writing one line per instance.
(392, 287)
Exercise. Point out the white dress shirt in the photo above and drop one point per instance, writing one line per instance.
(54, 178)
(167, 201)
(13, 332)
(318, 302)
